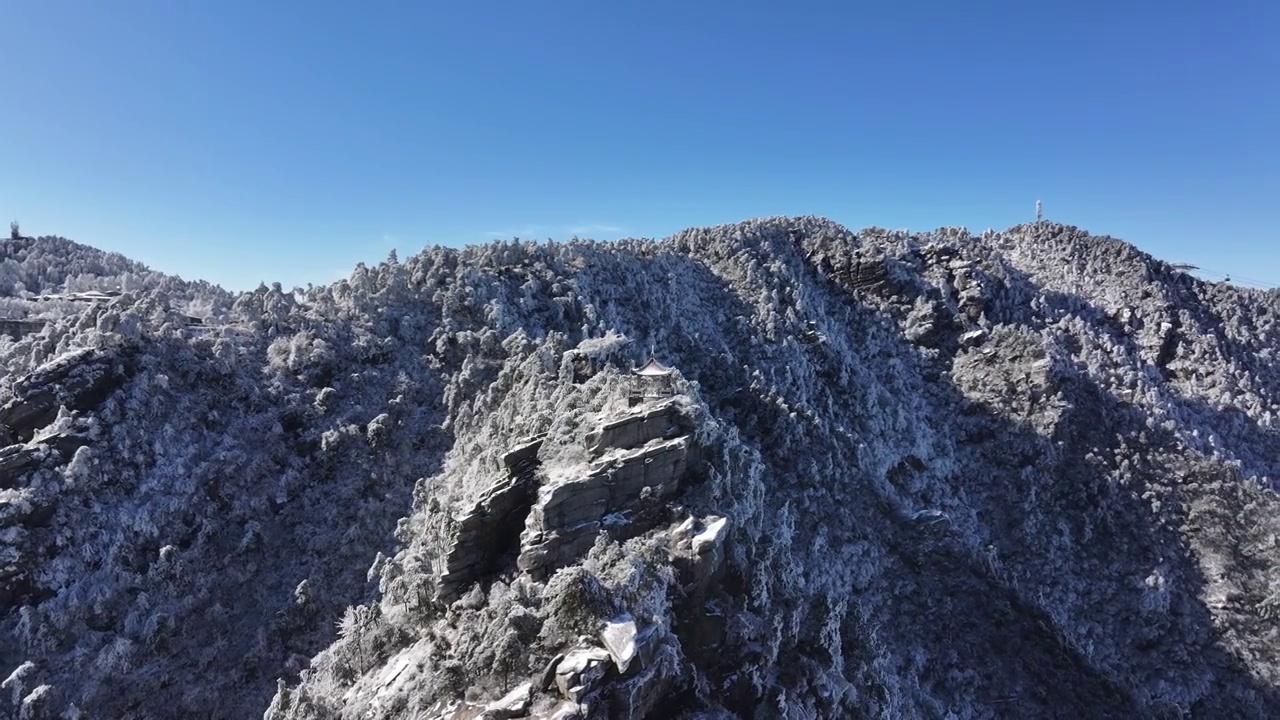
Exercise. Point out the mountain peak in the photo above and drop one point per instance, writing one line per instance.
(891, 474)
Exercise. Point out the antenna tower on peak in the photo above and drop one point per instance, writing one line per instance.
(1039, 211)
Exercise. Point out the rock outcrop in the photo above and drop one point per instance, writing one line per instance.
(621, 673)
(514, 704)
(554, 517)
(54, 448)
(77, 382)
(640, 461)
(612, 658)
(72, 385)
(698, 551)
(15, 460)
(658, 421)
(491, 528)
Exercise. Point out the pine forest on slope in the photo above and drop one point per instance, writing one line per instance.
(1028, 473)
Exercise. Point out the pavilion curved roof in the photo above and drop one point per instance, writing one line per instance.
(653, 368)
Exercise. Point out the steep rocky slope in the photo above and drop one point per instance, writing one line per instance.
(1022, 474)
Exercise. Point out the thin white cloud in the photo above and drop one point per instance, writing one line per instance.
(539, 231)
(526, 231)
(594, 229)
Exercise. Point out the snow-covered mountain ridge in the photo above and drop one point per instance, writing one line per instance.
(1019, 474)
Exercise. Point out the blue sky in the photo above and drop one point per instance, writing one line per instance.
(243, 141)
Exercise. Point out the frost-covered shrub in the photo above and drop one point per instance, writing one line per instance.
(577, 604)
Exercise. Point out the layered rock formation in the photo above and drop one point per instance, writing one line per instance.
(636, 462)
(43, 425)
(78, 381)
(636, 465)
(490, 529)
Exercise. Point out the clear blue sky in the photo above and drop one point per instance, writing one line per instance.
(246, 140)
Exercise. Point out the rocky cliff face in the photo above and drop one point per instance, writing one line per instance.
(1022, 474)
(597, 652)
